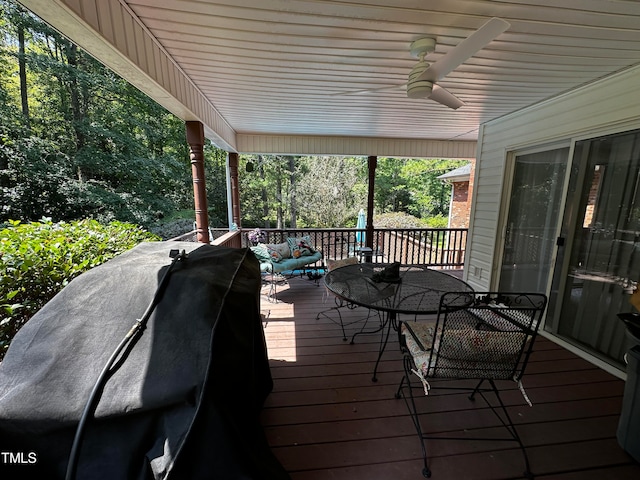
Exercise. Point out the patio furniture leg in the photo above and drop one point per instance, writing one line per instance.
(389, 319)
(336, 308)
(339, 304)
(413, 412)
(273, 284)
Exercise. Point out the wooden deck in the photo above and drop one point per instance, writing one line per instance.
(326, 419)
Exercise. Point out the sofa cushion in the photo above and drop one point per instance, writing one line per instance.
(289, 264)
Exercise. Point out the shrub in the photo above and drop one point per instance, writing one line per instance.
(38, 259)
(437, 221)
(172, 228)
(396, 220)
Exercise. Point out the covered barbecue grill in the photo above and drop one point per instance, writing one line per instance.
(183, 400)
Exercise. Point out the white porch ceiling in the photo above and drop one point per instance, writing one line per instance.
(275, 67)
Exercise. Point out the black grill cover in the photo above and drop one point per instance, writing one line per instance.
(184, 404)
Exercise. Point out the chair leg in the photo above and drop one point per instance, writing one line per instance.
(472, 396)
(505, 418)
(413, 411)
(273, 286)
(510, 426)
(335, 308)
(339, 305)
(377, 330)
(506, 421)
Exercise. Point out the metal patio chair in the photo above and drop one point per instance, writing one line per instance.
(486, 337)
(340, 304)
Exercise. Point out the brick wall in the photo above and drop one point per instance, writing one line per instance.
(461, 201)
(460, 205)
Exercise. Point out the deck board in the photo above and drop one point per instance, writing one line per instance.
(326, 419)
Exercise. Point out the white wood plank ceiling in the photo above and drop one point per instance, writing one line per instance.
(278, 67)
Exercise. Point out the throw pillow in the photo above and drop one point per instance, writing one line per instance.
(278, 251)
(261, 252)
(300, 246)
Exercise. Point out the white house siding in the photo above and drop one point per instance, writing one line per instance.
(607, 106)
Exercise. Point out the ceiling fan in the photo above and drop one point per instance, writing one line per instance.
(422, 82)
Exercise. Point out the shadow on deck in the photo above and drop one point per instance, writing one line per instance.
(326, 419)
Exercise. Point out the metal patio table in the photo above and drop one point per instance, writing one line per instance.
(417, 292)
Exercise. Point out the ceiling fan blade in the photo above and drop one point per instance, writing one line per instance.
(445, 97)
(465, 49)
(370, 90)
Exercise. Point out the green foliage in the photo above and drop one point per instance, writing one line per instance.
(406, 220)
(437, 221)
(215, 170)
(396, 220)
(329, 191)
(266, 189)
(170, 229)
(413, 186)
(38, 259)
(318, 192)
(91, 145)
(328, 195)
(391, 190)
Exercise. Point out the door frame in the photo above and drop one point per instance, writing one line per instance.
(505, 204)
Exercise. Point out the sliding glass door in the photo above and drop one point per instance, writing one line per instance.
(533, 220)
(602, 228)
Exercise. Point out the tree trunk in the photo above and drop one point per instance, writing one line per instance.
(74, 93)
(265, 198)
(22, 65)
(279, 213)
(292, 190)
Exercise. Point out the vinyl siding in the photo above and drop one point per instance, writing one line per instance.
(611, 104)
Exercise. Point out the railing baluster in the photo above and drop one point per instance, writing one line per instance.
(440, 247)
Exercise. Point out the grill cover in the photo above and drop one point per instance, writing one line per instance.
(184, 404)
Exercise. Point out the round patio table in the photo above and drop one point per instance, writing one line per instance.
(417, 291)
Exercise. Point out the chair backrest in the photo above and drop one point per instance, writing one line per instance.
(333, 264)
(485, 335)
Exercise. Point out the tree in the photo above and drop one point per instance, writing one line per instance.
(391, 189)
(430, 196)
(328, 196)
(412, 186)
(78, 141)
(293, 208)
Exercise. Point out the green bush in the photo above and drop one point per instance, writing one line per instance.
(396, 220)
(437, 221)
(38, 259)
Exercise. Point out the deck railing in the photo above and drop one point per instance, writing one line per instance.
(441, 247)
(438, 247)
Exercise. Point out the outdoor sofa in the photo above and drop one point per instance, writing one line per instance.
(290, 256)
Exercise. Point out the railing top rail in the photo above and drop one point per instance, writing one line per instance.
(425, 246)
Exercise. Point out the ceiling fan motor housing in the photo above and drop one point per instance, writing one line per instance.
(419, 88)
(422, 47)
